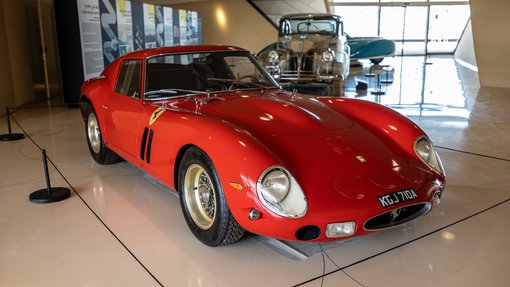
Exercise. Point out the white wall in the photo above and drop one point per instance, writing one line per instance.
(491, 35)
(465, 52)
(242, 26)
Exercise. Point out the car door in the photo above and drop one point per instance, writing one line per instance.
(124, 109)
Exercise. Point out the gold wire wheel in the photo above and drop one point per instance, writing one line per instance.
(200, 196)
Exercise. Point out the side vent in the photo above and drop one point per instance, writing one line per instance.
(144, 142)
(145, 150)
(149, 146)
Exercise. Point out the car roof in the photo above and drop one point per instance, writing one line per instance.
(310, 16)
(142, 54)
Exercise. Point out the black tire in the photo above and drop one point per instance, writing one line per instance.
(213, 228)
(377, 60)
(98, 149)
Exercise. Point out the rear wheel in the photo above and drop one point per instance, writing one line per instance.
(99, 151)
(203, 203)
(376, 60)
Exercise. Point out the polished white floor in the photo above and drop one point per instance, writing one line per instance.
(121, 228)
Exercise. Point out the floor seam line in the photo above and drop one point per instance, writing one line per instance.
(89, 207)
(406, 243)
(473, 153)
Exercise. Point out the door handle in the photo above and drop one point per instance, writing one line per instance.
(105, 107)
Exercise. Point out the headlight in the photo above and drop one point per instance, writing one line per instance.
(273, 57)
(280, 193)
(426, 152)
(328, 56)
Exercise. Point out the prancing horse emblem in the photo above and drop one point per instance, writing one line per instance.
(361, 159)
(155, 115)
(394, 214)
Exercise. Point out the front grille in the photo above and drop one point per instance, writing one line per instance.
(307, 61)
(397, 216)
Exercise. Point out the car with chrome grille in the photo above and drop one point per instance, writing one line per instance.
(311, 48)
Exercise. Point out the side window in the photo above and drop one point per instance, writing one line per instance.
(128, 82)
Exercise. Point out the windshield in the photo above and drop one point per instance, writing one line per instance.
(308, 26)
(173, 75)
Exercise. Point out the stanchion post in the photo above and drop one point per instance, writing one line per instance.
(46, 173)
(49, 194)
(379, 91)
(10, 136)
(8, 115)
(370, 74)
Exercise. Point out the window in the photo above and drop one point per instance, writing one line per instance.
(309, 26)
(202, 72)
(418, 27)
(128, 82)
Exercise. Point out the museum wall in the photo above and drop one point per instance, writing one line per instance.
(19, 51)
(22, 73)
(233, 22)
(491, 24)
(465, 52)
(7, 96)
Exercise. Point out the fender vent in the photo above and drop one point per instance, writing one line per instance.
(149, 147)
(144, 142)
(146, 146)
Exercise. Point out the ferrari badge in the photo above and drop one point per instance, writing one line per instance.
(155, 115)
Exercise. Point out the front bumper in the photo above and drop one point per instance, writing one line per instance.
(368, 219)
(294, 76)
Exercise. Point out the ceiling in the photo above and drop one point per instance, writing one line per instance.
(169, 2)
(274, 9)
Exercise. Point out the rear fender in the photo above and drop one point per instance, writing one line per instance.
(96, 91)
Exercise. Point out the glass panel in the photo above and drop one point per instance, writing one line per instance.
(351, 1)
(446, 26)
(128, 82)
(388, 1)
(413, 31)
(309, 26)
(359, 21)
(176, 75)
(242, 68)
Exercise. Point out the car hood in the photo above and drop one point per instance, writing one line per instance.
(278, 114)
(325, 150)
(295, 127)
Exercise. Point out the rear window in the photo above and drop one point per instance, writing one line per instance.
(128, 81)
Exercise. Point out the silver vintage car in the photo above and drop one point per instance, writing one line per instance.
(310, 48)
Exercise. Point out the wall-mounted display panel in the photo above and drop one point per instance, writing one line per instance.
(111, 28)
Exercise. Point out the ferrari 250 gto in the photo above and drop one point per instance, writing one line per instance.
(211, 123)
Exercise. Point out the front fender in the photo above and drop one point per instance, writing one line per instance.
(237, 156)
(390, 126)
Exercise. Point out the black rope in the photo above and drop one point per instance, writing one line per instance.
(405, 243)
(89, 207)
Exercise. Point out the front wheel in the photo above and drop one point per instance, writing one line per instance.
(203, 203)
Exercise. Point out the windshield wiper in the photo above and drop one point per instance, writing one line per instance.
(237, 82)
(157, 93)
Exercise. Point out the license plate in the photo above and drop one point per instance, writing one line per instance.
(397, 197)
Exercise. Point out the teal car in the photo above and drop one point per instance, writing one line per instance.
(373, 48)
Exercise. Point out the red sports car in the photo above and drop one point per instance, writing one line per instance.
(243, 154)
